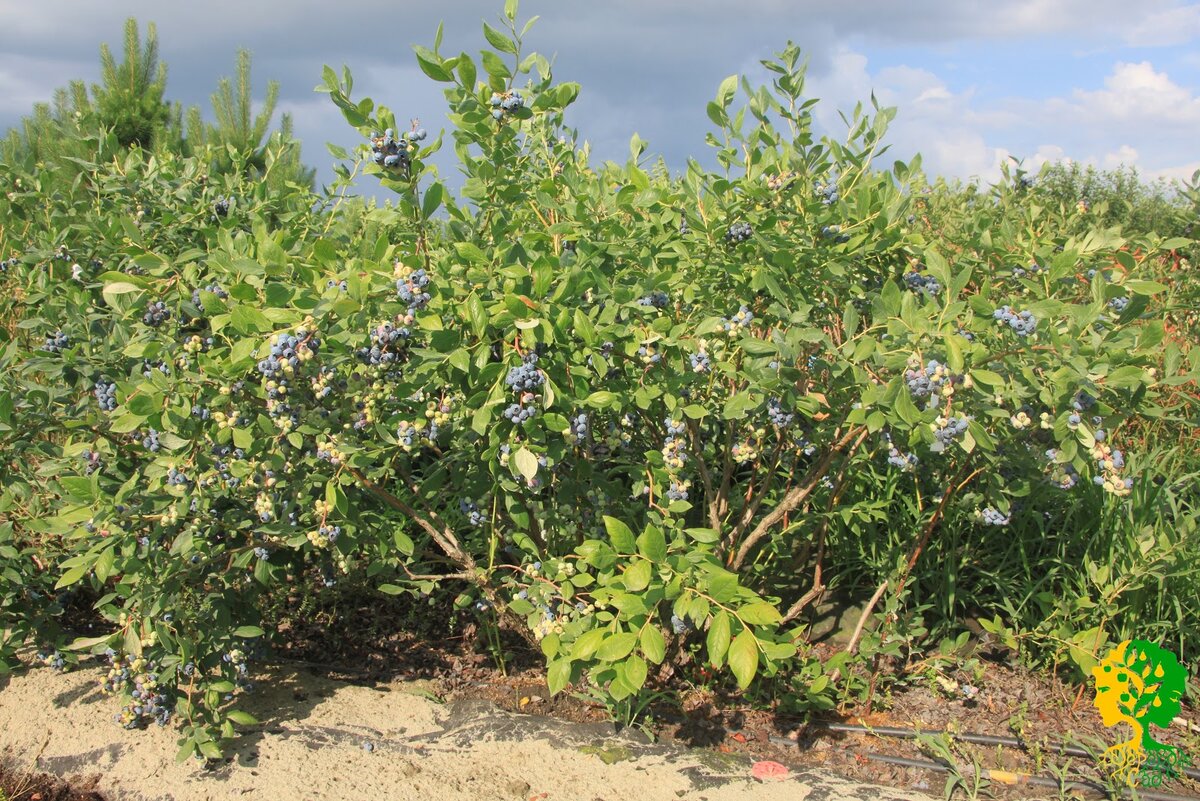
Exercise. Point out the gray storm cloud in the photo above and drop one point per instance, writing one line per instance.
(648, 66)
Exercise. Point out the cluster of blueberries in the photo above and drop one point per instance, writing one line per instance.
(56, 342)
(521, 380)
(740, 320)
(506, 103)
(221, 206)
(897, 458)
(948, 430)
(148, 368)
(1066, 476)
(1020, 272)
(391, 152)
(1023, 323)
(995, 518)
(922, 284)
(471, 510)
(649, 354)
(678, 491)
(215, 289)
(738, 232)
(383, 337)
(929, 381)
(834, 232)
(147, 700)
(1120, 304)
(53, 659)
(828, 192)
(778, 417)
(175, 478)
(700, 362)
(93, 461)
(10, 264)
(411, 290)
(342, 285)
(106, 395)
(284, 350)
(658, 299)
(580, 425)
(674, 449)
(150, 441)
(156, 314)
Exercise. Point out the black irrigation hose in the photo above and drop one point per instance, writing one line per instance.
(966, 737)
(1005, 777)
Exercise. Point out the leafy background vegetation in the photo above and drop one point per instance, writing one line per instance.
(646, 422)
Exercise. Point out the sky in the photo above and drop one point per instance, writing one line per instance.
(1103, 82)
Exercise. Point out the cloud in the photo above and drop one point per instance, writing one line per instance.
(1139, 117)
(1172, 26)
(651, 67)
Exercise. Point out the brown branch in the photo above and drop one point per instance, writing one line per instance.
(818, 585)
(443, 537)
(714, 518)
(797, 495)
(937, 516)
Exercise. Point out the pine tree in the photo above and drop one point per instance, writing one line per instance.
(130, 102)
(238, 142)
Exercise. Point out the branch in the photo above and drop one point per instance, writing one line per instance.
(818, 584)
(797, 495)
(714, 518)
(443, 537)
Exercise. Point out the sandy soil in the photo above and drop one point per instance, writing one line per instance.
(323, 739)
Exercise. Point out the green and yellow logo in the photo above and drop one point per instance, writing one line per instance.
(1140, 684)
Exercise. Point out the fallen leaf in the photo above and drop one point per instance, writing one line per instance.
(737, 735)
(768, 770)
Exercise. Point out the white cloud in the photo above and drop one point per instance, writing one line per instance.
(1138, 117)
(1139, 94)
(1172, 26)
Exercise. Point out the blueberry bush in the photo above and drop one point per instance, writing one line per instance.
(641, 420)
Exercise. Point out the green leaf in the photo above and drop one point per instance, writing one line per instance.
(637, 578)
(616, 646)
(495, 68)
(759, 614)
(652, 545)
(601, 399)
(499, 40)
(390, 589)
(431, 64)
(558, 675)
(726, 91)
(654, 645)
(118, 288)
(241, 718)
(71, 576)
(635, 671)
(717, 640)
(79, 488)
(987, 377)
(526, 462)
(620, 535)
(248, 320)
(248, 631)
(585, 647)
(743, 658)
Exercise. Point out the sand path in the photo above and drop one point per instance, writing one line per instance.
(311, 745)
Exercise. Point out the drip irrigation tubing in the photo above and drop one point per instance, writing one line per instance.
(1009, 778)
(999, 776)
(966, 737)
